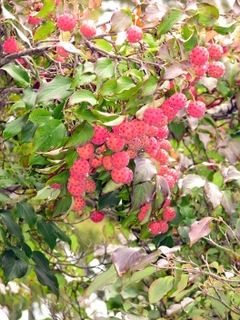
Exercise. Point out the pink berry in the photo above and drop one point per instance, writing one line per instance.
(33, 20)
(158, 227)
(10, 45)
(165, 144)
(122, 175)
(134, 144)
(134, 34)
(62, 52)
(81, 166)
(163, 132)
(143, 211)
(76, 190)
(216, 69)
(86, 152)
(215, 51)
(169, 214)
(57, 2)
(127, 130)
(96, 216)
(167, 110)
(96, 162)
(100, 135)
(38, 6)
(152, 145)
(197, 109)
(178, 101)
(141, 126)
(154, 116)
(199, 55)
(107, 163)
(200, 70)
(88, 29)
(162, 157)
(120, 159)
(163, 170)
(152, 131)
(79, 203)
(90, 186)
(66, 22)
(170, 180)
(115, 142)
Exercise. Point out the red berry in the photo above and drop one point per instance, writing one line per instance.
(120, 159)
(134, 144)
(154, 116)
(56, 185)
(76, 182)
(10, 45)
(77, 176)
(62, 52)
(134, 34)
(178, 101)
(122, 175)
(132, 153)
(144, 141)
(127, 130)
(86, 152)
(170, 180)
(90, 186)
(163, 226)
(115, 142)
(169, 214)
(163, 132)
(81, 167)
(57, 2)
(199, 55)
(66, 22)
(76, 190)
(196, 109)
(152, 131)
(79, 203)
(158, 227)
(96, 162)
(33, 20)
(200, 70)
(152, 145)
(100, 135)
(107, 163)
(165, 144)
(216, 69)
(141, 126)
(38, 6)
(166, 203)
(96, 216)
(163, 170)
(143, 211)
(167, 110)
(88, 29)
(162, 157)
(215, 51)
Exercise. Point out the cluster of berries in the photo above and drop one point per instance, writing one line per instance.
(200, 56)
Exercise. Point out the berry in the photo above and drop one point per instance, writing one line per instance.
(163, 132)
(173, 173)
(158, 227)
(170, 180)
(163, 170)
(100, 135)
(167, 110)
(66, 22)
(215, 51)
(134, 34)
(200, 70)
(132, 153)
(62, 52)
(38, 6)
(154, 116)
(134, 144)
(57, 2)
(75, 182)
(152, 131)
(96, 162)
(199, 55)
(144, 141)
(56, 185)
(79, 203)
(115, 142)
(169, 214)
(122, 175)
(141, 126)
(33, 20)
(152, 145)
(81, 167)
(101, 149)
(162, 157)
(216, 69)
(177, 101)
(196, 109)
(107, 163)
(86, 152)
(77, 176)
(76, 190)
(127, 130)
(120, 159)
(165, 144)
(143, 211)
(163, 226)
(10, 45)
(96, 216)
(90, 186)
(166, 203)
(88, 29)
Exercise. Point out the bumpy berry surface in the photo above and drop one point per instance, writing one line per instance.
(127, 130)
(79, 203)
(216, 69)
(96, 162)
(62, 52)
(215, 51)
(163, 170)
(10, 45)
(152, 131)
(33, 20)
(163, 132)
(122, 175)
(120, 159)
(115, 142)
(162, 157)
(100, 135)
(166, 203)
(165, 144)
(96, 216)
(134, 144)
(170, 180)
(107, 163)
(152, 145)
(200, 70)
(169, 214)
(167, 110)
(143, 211)
(81, 167)
(157, 227)
(66, 22)
(153, 116)
(163, 226)
(86, 151)
(134, 34)
(76, 190)
(178, 101)
(199, 55)
(88, 29)
(197, 109)
(141, 126)
(90, 186)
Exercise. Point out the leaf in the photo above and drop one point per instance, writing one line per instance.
(150, 86)
(100, 281)
(29, 97)
(47, 231)
(159, 288)
(207, 15)
(62, 206)
(28, 132)
(230, 173)
(4, 183)
(13, 267)
(11, 225)
(103, 44)
(40, 260)
(213, 193)
(124, 83)
(146, 260)
(108, 231)
(45, 193)
(81, 135)
(50, 135)
(58, 88)
(120, 21)
(104, 68)
(44, 31)
(191, 181)
(125, 258)
(26, 212)
(4, 197)
(228, 202)
(111, 186)
(83, 96)
(18, 73)
(155, 11)
(138, 276)
(48, 7)
(142, 193)
(173, 71)
(199, 229)
(168, 21)
(59, 233)
(177, 129)
(69, 47)
(40, 116)
(162, 192)
(109, 200)
(13, 128)
(144, 170)
(47, 279)
(108, 88)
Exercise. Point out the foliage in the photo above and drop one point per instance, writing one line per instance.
(50, 107)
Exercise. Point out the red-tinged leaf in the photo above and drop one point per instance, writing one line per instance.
(94, 4)
(146, 260)
(191, 181)
(120, 21)
(213, 193)
(230, 173)
(126, 258)
(142, 193)
(173, 71)
(155, 12)
(227, 202)
(199, 229)
(144, 170)
(205, 138)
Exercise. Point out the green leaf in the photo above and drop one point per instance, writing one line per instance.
(49, 136)
(108, 88)
(40, 260)
(62, 206)
(28, 132)
(61, 177)
(83, 96)
(26, 211)
(111, 186)
(109, 200)
(4, 197)
(168, 21)
(14, 127)
(104, 68)
(13, 267)
(59, 233)
(108, 231)
(49, 5)
(47, 279)
(124, 83)
(11, 225)
(18, 73)
(4, 183)
(18, 104)
(47, 231)
(40, 116)
(138, 276)
(45, 193)
(44, 31)
(177, 129)
(150, 86)
(142, 193)
(81, 135)
(58, 88)
(225, 29)
(103, 44)
(29, 97)
(159, 288)
(207, 15)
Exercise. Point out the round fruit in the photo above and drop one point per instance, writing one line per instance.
(134, 34)
(216, 69)
(196, 109)
(88, 29)
(10, 45)
(66, 22)
(199, 55)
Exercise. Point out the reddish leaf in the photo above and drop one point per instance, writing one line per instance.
(199, 229)
(213, 193)
(94, 4)
(144, 170)
(173, 71)
(125, 258)
(191, 181)
(230, 173)
(155, 12)
(227, 202)
(120, 21)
